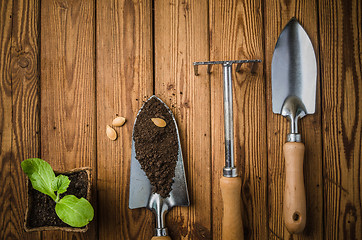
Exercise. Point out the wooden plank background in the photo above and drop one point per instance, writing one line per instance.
(68, 67)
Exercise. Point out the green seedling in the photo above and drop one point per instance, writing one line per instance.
(70, 209)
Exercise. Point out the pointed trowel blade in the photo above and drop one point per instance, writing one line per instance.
(294, 68)
(140, 190)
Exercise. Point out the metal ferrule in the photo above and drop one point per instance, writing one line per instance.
(160, 232)
(229, 172)
(294, 137)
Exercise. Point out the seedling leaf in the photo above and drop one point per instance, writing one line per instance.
(60, 184)
(40, 174)
(74, 211)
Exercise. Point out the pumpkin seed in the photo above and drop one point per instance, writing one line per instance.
(111, 133)
(118, 121)
(159, 122)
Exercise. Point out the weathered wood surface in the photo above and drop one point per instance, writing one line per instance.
(340, 58)
(124, 81)
(67, 68)
(19, 124)
(6, 120)
(67, 90)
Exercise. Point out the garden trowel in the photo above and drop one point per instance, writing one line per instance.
(141, 192)
(294, 80)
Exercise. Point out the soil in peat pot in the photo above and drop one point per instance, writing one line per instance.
(41, 211)
(156, 147)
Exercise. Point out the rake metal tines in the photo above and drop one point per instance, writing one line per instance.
(227, 64)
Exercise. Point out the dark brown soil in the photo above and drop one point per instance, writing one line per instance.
(156, 148)
(42, 207)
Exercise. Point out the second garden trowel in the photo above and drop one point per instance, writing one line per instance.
(157, 179)
(294, 81)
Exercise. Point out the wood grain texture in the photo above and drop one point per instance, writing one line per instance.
(68, 114)
(19, 110)
(232, 225)
(6, 133)
(124, 81)
(340, 51)
(277, 15)
(294, 206)
(25, 105)
(181, 37)
(236, 32)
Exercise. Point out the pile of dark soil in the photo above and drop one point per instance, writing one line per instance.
(156, 147)
(41, 211)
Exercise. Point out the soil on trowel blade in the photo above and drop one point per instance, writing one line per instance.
(156, 147)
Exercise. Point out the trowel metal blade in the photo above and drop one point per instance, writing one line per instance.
(140, 189)
(294, 68)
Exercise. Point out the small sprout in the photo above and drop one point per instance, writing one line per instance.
(77, 212)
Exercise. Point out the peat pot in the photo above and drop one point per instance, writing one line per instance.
(40, 212)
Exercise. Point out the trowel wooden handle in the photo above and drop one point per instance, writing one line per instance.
(232, 225)
(294, 209)
(161, 238)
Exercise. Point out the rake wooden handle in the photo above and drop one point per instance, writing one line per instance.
(161, 238)
(294, 208)
(232, 224)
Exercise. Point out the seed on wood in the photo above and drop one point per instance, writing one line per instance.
(118, 121)
(159, 122)
(111, 133)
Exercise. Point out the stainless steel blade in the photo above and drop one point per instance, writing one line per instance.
(140, 191)
(140, 187)
(294, 72)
